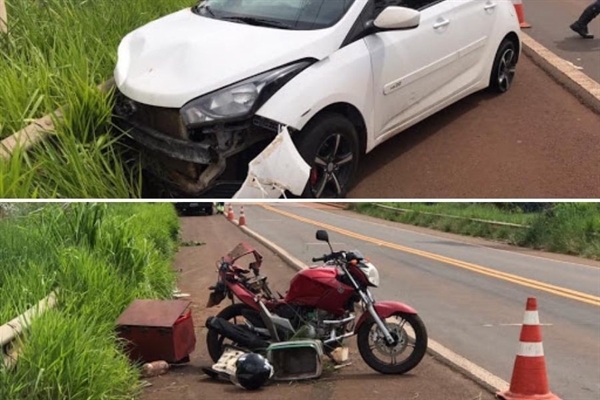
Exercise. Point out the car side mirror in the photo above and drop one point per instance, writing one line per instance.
(396, 18)
(322, 236)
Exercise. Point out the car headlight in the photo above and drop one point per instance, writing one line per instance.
(240, 99)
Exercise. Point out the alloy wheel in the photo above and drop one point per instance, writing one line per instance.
(332, 167)
(506, 70)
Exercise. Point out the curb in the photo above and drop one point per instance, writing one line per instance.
(289, 259)
(584, 88)
(484, 378)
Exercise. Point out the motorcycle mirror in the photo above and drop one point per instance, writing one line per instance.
(323, 236)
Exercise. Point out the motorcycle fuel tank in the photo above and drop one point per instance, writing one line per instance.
(319, 288)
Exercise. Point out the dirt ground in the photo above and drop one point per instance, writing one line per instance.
(196, 269)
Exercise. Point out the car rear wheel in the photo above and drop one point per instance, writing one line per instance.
(505, 63)
(330, 147)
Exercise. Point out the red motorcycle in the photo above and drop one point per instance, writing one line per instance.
(321, 304)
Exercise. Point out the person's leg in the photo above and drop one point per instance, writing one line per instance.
(581, 25)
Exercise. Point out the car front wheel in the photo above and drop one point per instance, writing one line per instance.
(505, 64)
(330, 147)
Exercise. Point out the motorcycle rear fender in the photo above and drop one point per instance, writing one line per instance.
(385, 309)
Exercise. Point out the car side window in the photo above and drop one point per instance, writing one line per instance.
(380, 5)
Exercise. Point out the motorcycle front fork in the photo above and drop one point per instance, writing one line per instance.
(368, 302)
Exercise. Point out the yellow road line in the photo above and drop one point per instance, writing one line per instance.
(546, 287)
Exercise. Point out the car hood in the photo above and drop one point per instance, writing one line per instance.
(182, 56)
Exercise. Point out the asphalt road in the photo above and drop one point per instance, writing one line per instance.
(196, 271)
(473, 309)
(536, 141)
(550, 20)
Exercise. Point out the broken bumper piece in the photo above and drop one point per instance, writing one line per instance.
(278, 168)
(179, 149)
(210, 161)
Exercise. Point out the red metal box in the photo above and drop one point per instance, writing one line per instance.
(158, 330)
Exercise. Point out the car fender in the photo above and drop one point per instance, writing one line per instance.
(343, 77)
(385, 309)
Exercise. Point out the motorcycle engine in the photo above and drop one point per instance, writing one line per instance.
(308, 322)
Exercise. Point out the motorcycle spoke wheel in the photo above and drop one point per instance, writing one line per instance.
(399, 357)
(404, 336)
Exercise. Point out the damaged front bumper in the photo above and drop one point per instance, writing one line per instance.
(192, 162)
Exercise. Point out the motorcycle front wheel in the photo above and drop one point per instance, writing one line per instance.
(216, 342)
(410, 343)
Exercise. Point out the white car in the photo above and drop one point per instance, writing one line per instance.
(206, 89)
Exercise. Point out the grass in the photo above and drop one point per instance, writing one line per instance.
(486, 211)
(54, 56)
(102, 256)
(570, 228)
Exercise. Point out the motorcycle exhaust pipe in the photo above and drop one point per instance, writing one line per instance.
(237, 333)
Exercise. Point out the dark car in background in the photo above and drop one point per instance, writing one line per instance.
(193, 208)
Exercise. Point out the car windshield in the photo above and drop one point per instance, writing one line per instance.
(282, 14)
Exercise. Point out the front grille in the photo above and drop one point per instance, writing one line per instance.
(194, 160)
(161, 119)
(165, 120)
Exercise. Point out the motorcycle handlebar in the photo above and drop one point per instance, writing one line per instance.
(328, 257)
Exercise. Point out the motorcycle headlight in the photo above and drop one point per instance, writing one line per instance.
(240, 99)
(371, 273)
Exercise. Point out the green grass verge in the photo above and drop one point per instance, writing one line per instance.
(102, 257)
(54, 56)
(570, 228)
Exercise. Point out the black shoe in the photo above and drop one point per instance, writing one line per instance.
(581, 30)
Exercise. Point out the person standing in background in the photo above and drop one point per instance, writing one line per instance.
(581, 25)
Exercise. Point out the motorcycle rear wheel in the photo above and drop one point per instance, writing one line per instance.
(370, 340)
(216, 342)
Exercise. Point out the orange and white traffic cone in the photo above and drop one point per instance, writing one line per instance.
(529, 379)
(230, 215)
(521, 14)
(242, 221)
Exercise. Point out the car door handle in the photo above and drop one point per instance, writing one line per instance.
(441, 24)
(490, 6)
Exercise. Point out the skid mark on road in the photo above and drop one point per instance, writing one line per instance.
(545, 287)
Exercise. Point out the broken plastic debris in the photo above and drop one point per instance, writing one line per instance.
(340, 355)
(278, 168)
(227, 362)
(154, 368)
